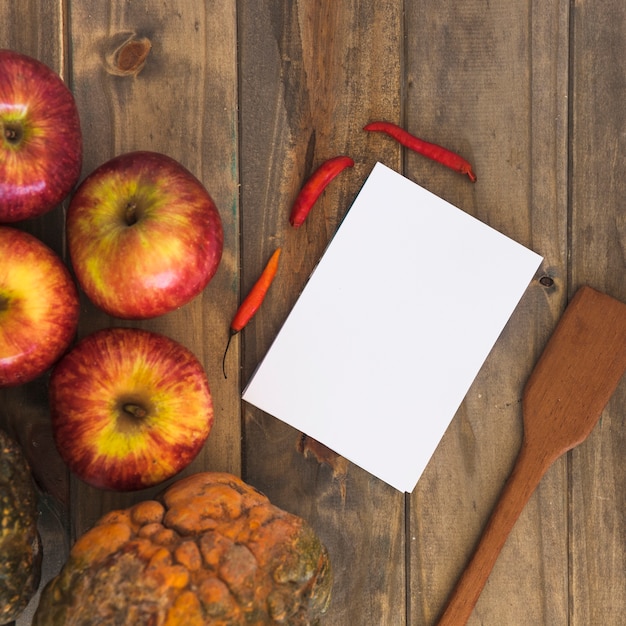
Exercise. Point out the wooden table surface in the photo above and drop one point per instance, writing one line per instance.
(251, 96)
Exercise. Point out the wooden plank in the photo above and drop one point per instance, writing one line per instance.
(598, 474)
(38, 31)
(182, 103)
(490, 82)
(313, 73)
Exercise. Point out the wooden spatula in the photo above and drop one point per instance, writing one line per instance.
(564, 397)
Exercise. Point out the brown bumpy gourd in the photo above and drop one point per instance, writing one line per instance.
(210, 550)
(20, 548)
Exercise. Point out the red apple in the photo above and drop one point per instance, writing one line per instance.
(40, 138)
(39, 307)
(130, 408)
(144, 235)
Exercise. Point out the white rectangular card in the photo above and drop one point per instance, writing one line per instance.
(392, 327)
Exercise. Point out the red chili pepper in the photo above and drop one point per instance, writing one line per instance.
(431, 150)
(253, 300)
(314, 186)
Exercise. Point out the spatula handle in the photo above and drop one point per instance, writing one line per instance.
(523, 480)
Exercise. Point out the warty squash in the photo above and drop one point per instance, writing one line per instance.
(210, 550)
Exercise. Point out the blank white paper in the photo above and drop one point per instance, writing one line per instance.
(392, 328)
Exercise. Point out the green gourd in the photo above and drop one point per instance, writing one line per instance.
(20, 546)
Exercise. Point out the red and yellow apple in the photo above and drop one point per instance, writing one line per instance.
(39, 307)
(130, 408)
(144, 235)
(40, 138)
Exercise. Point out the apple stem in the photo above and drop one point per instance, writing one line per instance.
(134, 410)
(230, 336)
(130, 215)
(12, 133)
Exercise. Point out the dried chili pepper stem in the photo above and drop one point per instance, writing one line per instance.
(251, 303)
(313, 187)
(431, 150)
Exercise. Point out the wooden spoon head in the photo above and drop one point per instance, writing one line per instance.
(576, 374)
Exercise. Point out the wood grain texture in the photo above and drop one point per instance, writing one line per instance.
(310, 81)
(490, 81)
(598, 249)
(37, 31)
(251, 96)
(182, 103)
